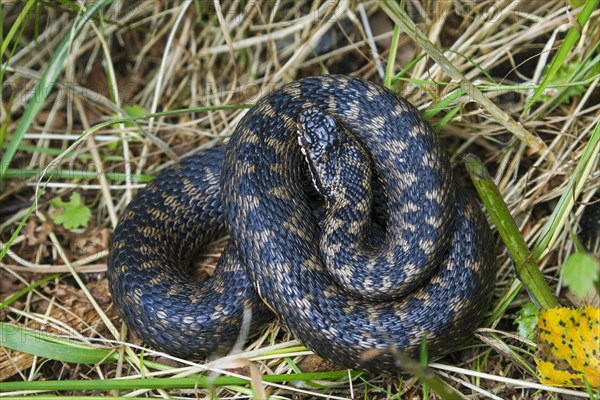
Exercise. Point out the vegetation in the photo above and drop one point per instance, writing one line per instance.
(99, 96)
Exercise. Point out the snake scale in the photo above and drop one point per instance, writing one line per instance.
(354, 277)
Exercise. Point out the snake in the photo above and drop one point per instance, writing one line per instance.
(345, 222)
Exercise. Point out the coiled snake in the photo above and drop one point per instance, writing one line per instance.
(415, 263)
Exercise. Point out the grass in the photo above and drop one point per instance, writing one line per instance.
(516, 86)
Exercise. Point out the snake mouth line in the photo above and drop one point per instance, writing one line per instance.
(303, 143)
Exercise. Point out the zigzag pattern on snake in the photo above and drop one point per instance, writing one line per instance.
(422, 268)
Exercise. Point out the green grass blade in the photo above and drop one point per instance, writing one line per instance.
(574, 187)
(446, 119)
(27, 289)
(563, 53)
(22, 18)
(504, 303)
(167, 383)
(443, 104)
(407, 68)
(46, 345)
(16, 232)
(46, 83)
(391, 61)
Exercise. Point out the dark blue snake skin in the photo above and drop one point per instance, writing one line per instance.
(428, 277)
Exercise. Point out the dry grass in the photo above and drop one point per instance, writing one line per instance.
(164, 56)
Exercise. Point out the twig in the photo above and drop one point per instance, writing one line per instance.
(527, 270)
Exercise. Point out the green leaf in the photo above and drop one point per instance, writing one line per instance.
(74, 214)
(579, 273)
(134, 110)
(526, 321)
(563, 76)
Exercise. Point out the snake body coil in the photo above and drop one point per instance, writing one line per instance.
(417, 265)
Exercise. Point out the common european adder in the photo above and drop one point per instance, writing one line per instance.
(346, 272)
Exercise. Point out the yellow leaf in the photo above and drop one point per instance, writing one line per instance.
(569, 347)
